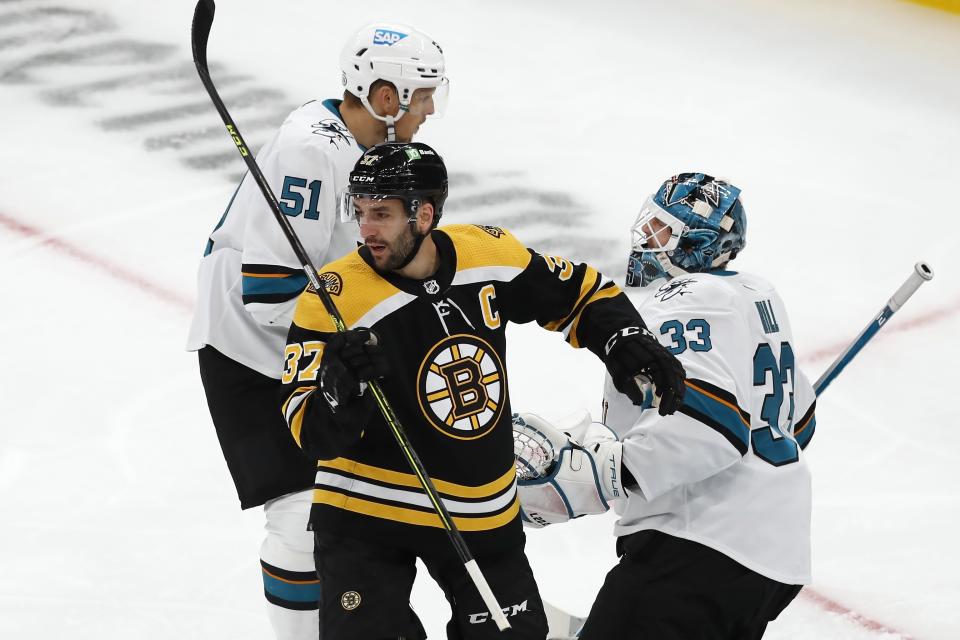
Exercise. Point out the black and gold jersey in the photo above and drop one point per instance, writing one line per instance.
(445, 339)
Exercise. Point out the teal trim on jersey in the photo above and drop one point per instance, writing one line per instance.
(291, 591)
(722, 273)
(293, 283)
(333, 106)
(719, 413)
(209, 248)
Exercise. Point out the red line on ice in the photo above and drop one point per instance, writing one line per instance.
(112, 269)
(828, 604)
(183, 302)
(899, 326)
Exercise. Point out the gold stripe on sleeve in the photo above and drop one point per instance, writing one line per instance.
(590, 278)
(610, 292)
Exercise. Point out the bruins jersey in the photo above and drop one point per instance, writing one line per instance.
(445, 339)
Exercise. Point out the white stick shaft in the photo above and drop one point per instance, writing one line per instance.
(488, 598)
(921, 273)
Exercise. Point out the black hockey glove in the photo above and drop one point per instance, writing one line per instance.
(634, 352)
(350, 360)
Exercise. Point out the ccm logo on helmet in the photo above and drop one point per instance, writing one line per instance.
(383, 36)
(512, 610)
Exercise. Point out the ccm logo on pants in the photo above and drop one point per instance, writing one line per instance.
(478, 618)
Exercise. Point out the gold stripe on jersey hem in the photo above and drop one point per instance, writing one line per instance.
(803, 425)
(725, 403)
(413, 516)
(276, 577)
(610, 292)
(409, 480)
(247, 274)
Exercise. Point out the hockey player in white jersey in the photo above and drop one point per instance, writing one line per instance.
(714, 500)
(393, 78)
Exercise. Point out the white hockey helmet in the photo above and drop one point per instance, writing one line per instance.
(399, 54)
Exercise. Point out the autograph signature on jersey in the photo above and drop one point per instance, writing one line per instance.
(674, 288)
(333, 130)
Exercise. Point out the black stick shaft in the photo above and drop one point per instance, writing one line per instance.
(200, 34)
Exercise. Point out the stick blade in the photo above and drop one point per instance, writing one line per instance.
(200, 31)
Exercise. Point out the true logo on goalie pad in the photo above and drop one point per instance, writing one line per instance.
(461, 387)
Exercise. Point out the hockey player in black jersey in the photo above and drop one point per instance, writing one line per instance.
(393, 79)
(426, 310)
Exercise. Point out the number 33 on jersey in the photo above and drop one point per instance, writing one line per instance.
(747, 414)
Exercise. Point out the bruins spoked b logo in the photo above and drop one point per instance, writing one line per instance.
(461, 387)
(350, 600)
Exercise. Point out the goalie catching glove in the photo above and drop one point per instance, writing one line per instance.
(573, 474)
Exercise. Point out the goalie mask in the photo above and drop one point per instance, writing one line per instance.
(693, 223)
(399, 54)
(408, 171)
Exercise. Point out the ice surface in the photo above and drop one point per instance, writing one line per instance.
(838, 119)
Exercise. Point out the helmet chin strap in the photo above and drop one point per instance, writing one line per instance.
(391, 128)
(417, 241)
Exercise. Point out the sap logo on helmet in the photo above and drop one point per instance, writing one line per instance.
(386, 37)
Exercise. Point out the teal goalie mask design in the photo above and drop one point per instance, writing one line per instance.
(693, 223)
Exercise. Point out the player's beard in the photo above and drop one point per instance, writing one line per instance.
(399, 250)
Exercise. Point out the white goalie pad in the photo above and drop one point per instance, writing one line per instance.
(581, 475)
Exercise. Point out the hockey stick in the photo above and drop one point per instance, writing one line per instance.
(561, 625)
(921, 273)
(566, 626)
(199, 36)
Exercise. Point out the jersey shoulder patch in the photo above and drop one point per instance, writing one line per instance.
(486, 246)
(355, 289)
(315, 126)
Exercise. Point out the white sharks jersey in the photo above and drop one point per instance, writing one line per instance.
(249, 277)
(727, 469)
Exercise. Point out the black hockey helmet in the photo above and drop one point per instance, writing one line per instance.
(409, 171)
